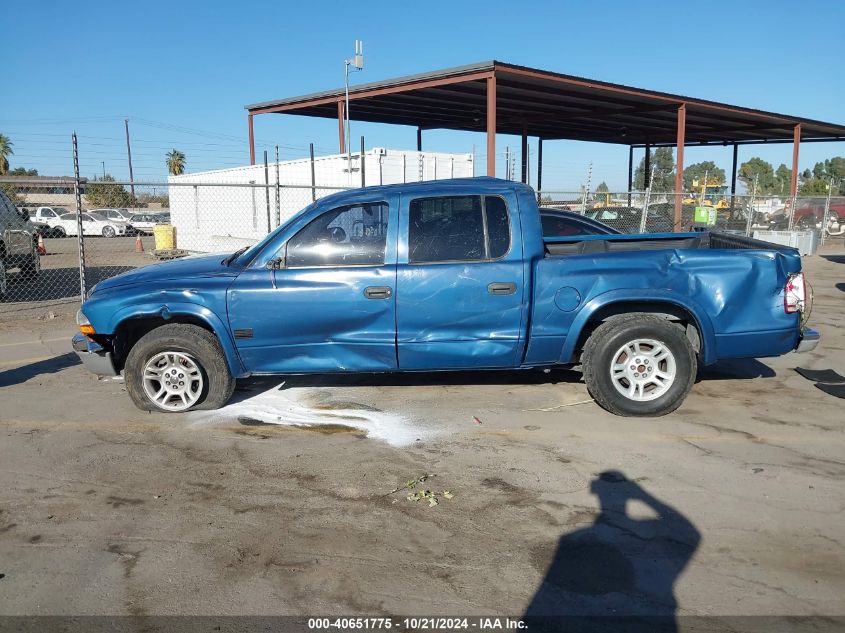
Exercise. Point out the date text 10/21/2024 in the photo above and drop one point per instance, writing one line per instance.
(417, 623)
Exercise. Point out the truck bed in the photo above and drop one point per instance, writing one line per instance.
(577, 245)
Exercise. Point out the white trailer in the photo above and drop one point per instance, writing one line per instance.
(225, 209)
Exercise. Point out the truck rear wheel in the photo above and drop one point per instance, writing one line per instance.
(639, 365)
(178, 367)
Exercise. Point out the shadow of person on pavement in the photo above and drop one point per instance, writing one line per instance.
(619, 573)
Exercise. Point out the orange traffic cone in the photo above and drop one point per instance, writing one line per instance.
(139, 245)
(42, 250)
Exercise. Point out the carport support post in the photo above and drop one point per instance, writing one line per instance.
(539, 168)
(419, 139)
(251, 140)
(647, 167)
(630, 172)
(340, 129)
(793, 185)
(796, 144)
(733, 175)
(524, 152)
(491, 125)
(679, 166)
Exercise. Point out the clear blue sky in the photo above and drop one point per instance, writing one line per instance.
(175, 65)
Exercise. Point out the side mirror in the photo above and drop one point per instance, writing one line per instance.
(277, 263)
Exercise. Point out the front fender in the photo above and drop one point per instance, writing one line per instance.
(170, 310)
(705, 326)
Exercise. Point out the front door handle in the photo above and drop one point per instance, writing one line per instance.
(501, 288)
(378, 292)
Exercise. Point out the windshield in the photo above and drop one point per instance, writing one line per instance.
(256, 248)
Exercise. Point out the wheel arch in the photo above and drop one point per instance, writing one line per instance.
(668, 305)
(129, 326)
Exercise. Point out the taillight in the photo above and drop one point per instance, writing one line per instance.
(794, 294)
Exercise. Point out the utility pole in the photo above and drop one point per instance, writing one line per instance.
(104, 169)
(129, 154)
(357, 62)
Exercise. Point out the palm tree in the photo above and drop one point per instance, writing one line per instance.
(5, 152)
(175, 162)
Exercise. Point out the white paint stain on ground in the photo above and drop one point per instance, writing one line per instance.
(307, 407)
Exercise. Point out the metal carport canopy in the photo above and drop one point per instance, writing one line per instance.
(551, 106)
(495, 97)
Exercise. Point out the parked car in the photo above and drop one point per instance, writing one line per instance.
(558, 223)
(145, 222)
(808, 216)
(18, 245)
(49, 217)
(659, 218)
(445, 275)
(92, 224)
(116, 215)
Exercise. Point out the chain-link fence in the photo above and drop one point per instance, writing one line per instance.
(51, 255)
(46, 262)
(647, 212)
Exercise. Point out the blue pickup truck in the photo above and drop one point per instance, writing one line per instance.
(446, 275)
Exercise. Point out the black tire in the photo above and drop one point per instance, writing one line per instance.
(109, 231)
(204, 349)
(31, 267)
(58, 231)
(599, 356)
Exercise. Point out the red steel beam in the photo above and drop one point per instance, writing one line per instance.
(796, 144)
(251, 141)
(679, 167)
(491, 126)
(341, 131)
(375, 92)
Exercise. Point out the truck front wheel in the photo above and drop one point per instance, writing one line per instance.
(639, 365)
(177, 367)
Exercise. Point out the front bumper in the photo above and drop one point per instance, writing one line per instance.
(808, 340)
(96, 359)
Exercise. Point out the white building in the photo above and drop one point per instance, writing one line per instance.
(225, 209)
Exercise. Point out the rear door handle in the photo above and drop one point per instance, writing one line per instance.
(501, 288)
(378, 292)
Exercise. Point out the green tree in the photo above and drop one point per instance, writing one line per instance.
(602, 188)
(832, 169)
(697, 171)
(101, 193)
(175, 162)
(783, 180)
(761, 170)
(813, 187)
(5, 151)
(663, 163)
(23, 171)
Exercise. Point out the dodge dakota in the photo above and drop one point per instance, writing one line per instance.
(446, 275)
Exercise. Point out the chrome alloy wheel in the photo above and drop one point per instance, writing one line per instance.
(643, 369)
(173, 381)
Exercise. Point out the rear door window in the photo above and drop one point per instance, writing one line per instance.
(457, 229)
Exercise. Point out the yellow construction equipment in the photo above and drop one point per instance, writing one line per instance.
(709, 192)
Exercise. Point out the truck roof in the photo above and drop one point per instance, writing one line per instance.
(479, 185)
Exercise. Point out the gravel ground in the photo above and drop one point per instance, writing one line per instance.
(281, 503)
